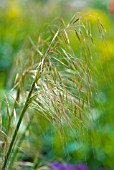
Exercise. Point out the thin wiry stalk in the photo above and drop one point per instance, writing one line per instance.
(26, 105)
(20, 120)
(14, 154)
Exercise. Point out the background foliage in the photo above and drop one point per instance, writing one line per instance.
(21, 21)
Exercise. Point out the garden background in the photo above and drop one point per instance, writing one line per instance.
(21, 24)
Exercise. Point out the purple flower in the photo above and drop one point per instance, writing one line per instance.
(81, 167)
(57, 166)
(69, 166)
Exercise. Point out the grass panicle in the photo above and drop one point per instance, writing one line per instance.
(55, 80)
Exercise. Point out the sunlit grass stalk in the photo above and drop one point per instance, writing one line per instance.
(27, 102)
(16, 149)
(20, 120)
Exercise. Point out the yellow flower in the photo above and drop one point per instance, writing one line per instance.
(13, 10)
(110, 45)
(94, 14)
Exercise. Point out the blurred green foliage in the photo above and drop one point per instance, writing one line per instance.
(20, 20)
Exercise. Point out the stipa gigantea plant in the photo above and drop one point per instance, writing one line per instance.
(55, 81)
